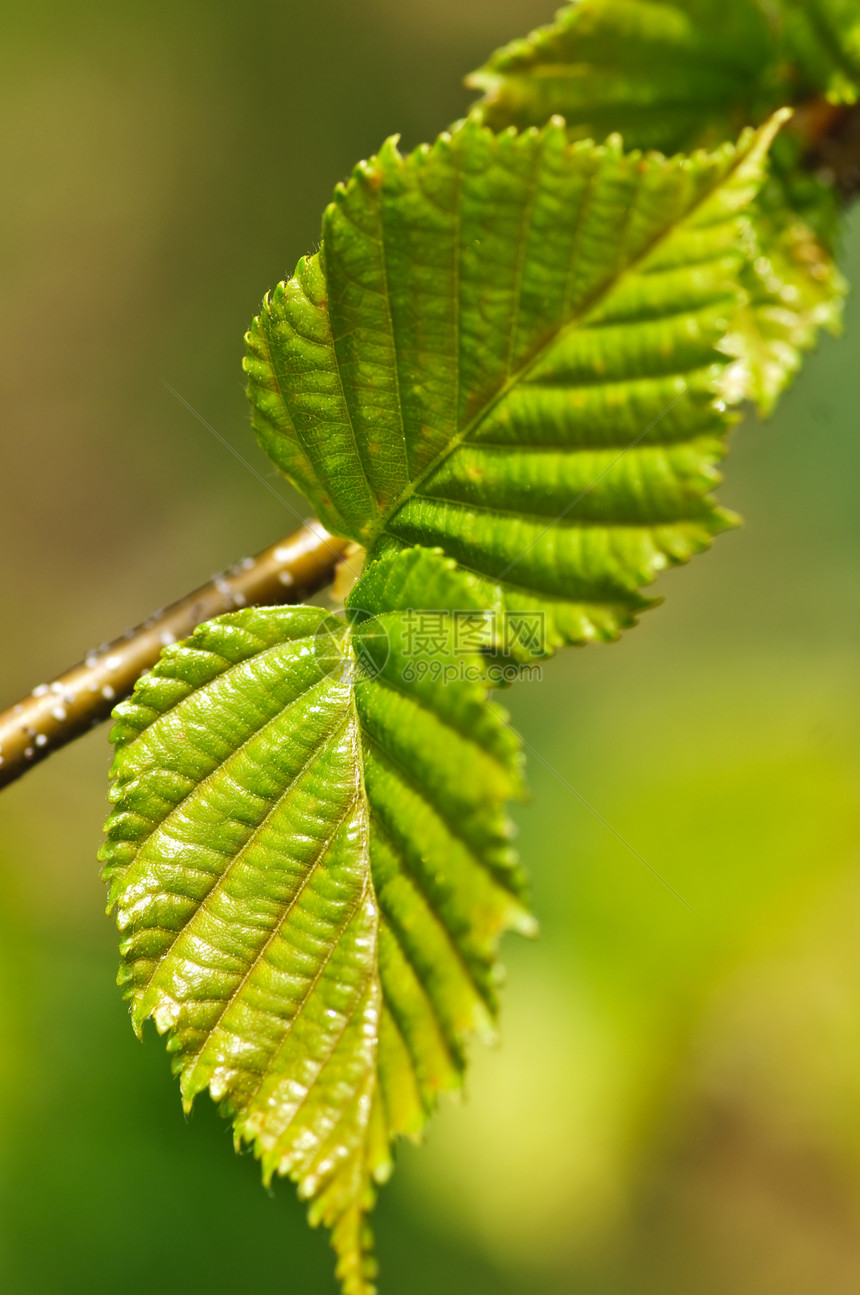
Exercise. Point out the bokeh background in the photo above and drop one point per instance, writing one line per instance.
(675, 1105)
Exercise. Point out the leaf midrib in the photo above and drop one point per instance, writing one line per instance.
(574, 71)
(220, 879)
(287, 907)
(367, 980)
(216, 770)
(577, 321)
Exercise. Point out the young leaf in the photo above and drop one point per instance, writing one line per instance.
(680, 75)
(311, 867)
(673, 75)
(792, 290)
(823, 38)
(508, 347)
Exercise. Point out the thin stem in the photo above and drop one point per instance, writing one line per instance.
(59, 711)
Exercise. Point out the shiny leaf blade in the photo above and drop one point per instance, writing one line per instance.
(677, 75)
(673, 75)
(793, 290)
(514, 349)
(310, 862)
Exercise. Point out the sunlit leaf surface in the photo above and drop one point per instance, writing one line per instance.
(508, 347)
(310, 863)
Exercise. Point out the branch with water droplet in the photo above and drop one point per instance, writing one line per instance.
(57, 712)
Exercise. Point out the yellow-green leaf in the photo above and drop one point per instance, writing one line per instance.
(509, 347)
(310, 862)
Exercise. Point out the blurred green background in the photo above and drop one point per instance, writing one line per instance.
(674, 1106)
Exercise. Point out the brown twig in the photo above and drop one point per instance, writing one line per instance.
(84, 696)
(57, 712)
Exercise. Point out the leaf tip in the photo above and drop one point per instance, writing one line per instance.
(525, 923)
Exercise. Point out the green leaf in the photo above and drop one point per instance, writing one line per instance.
(673, 75)
(793, 289)
(311, 866)
(822, 37)
(678, 75)
(508, 348)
